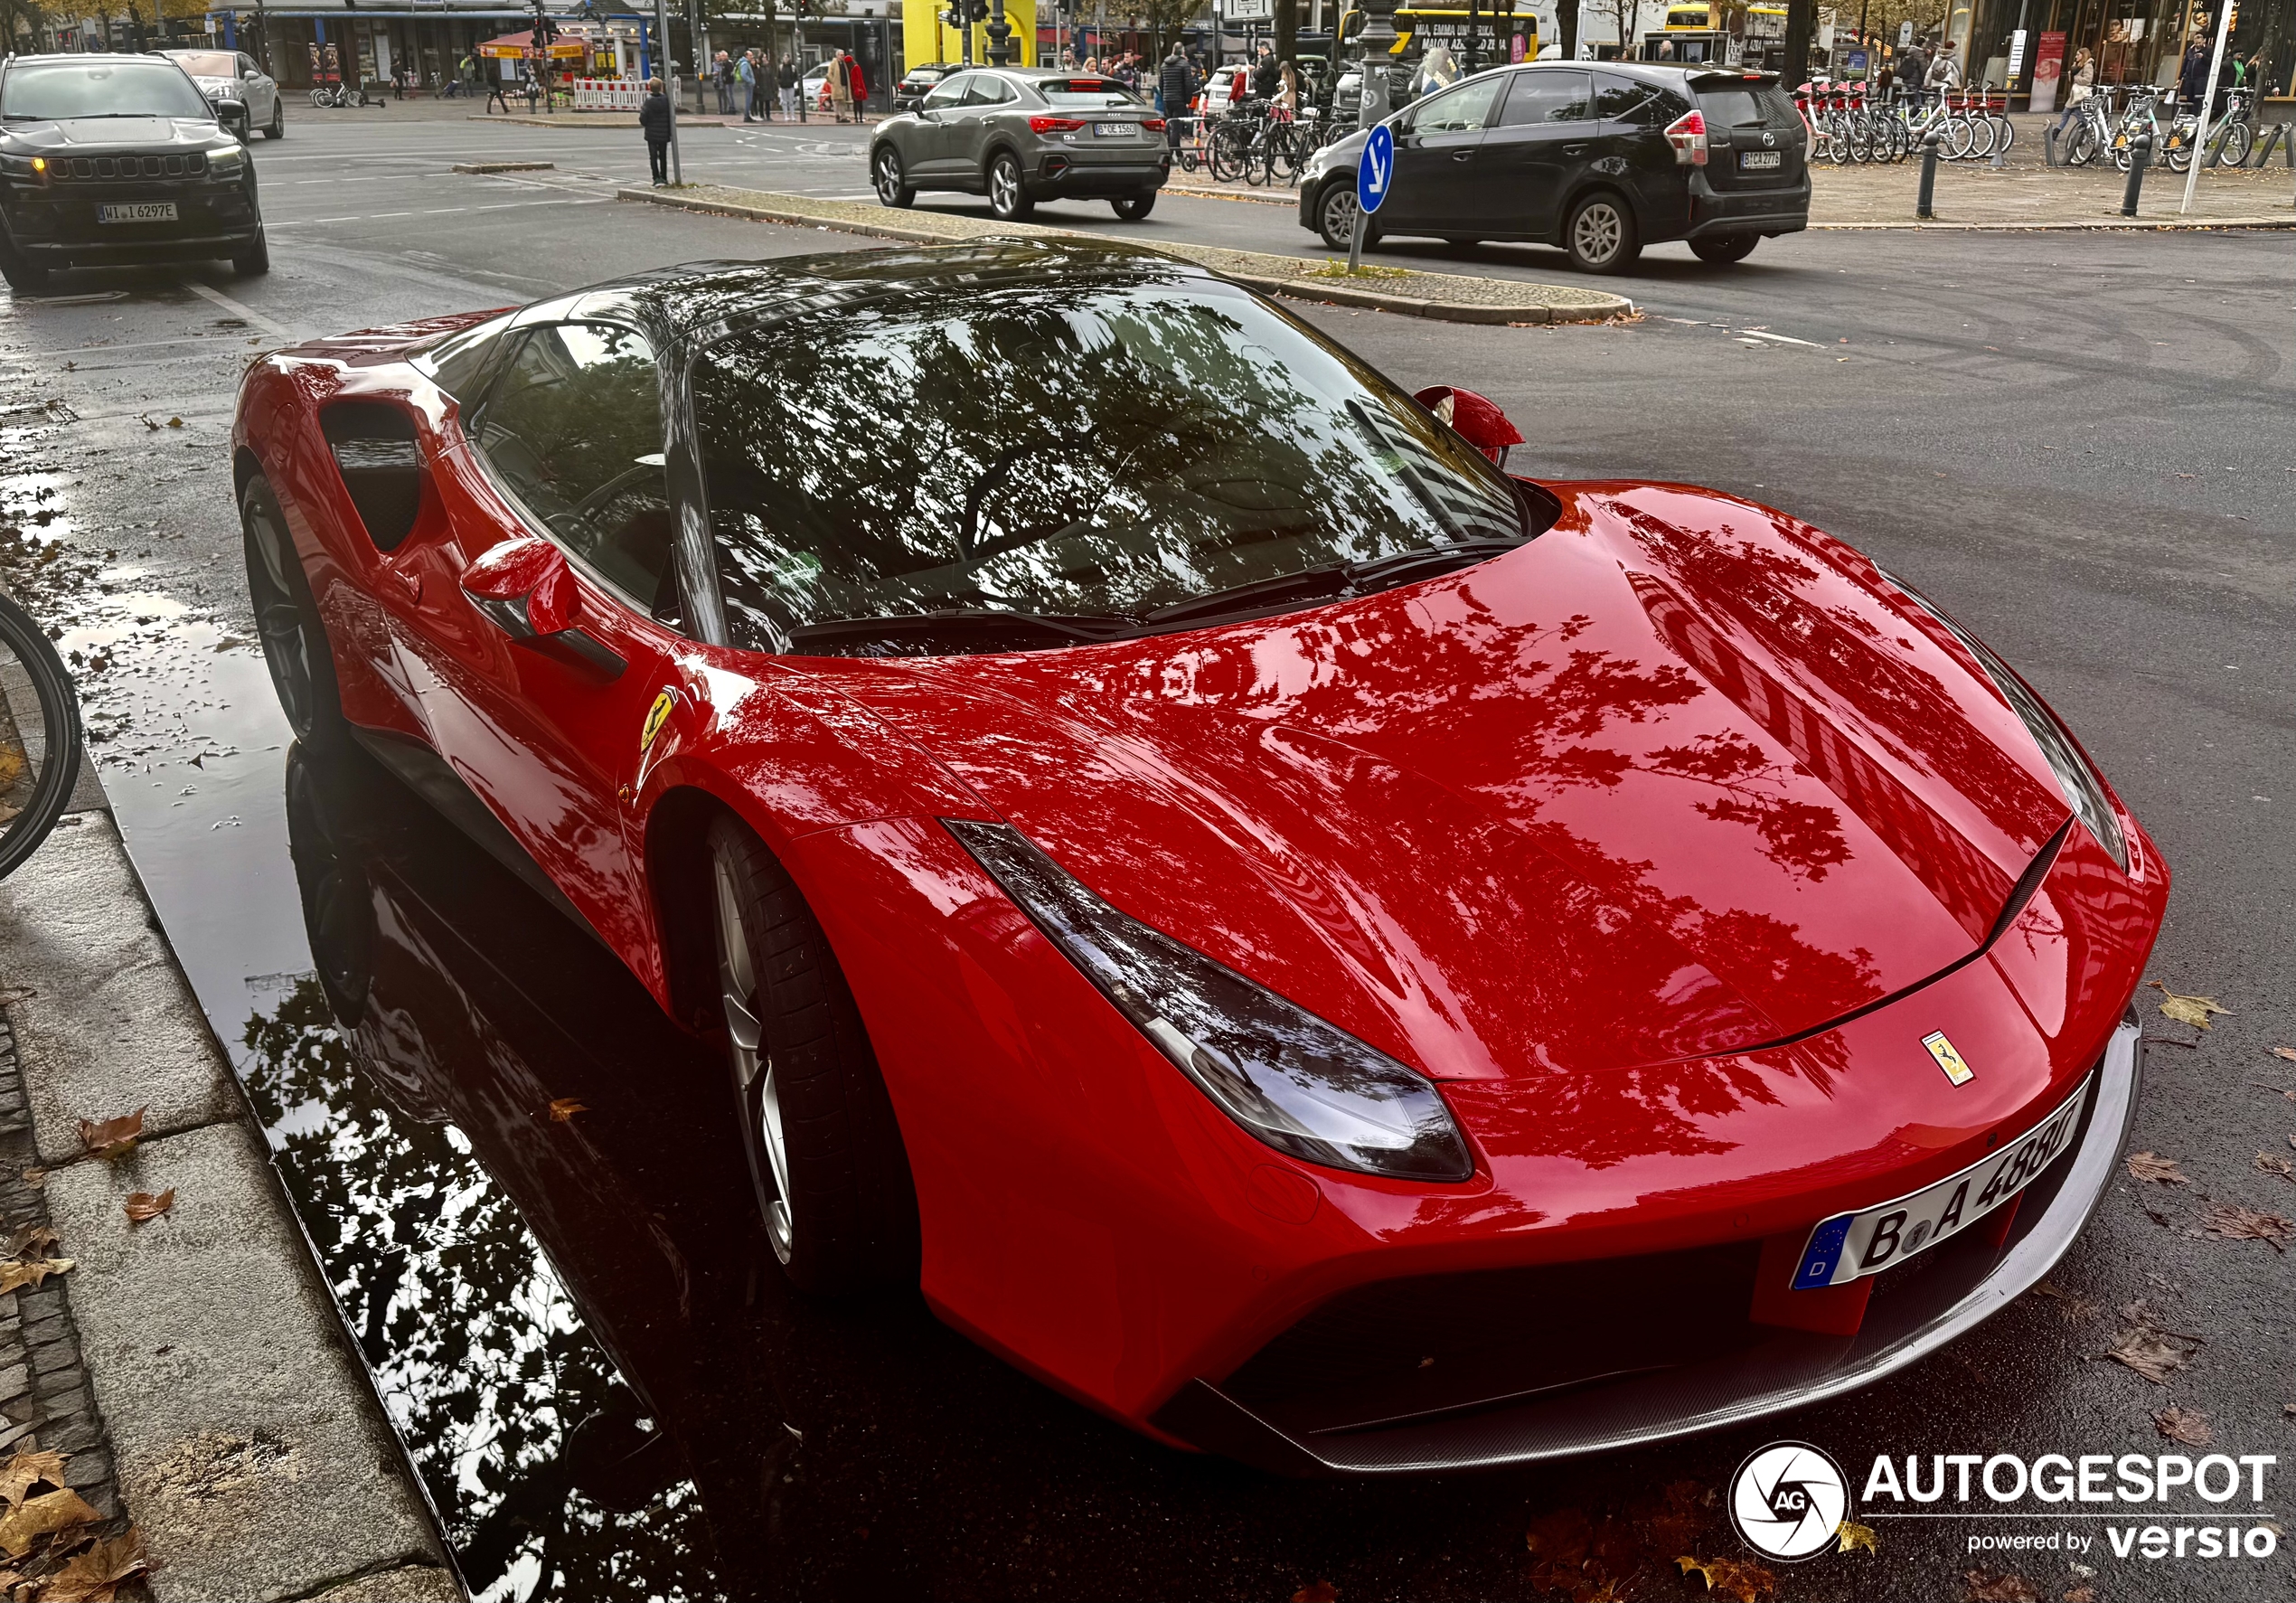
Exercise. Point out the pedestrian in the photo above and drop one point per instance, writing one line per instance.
(744, 88)
(857, 82)
(726, 79)
(1438, 71)
(1175, 86)
(761, 90)
(2083, 81)
(1287, 94)
(790, 79)
(1945, 69)
(498, 92)
(2192, 81)
(1267, 74)
(653, 121)
(840, 88)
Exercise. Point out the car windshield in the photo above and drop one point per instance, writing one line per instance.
(1109, 453)
(122, 87)
(1085, 91)
(206, 64)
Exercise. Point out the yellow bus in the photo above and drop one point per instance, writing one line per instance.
(1501, 37)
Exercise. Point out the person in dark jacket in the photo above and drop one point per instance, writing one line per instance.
(653, 121)
(1177, 86)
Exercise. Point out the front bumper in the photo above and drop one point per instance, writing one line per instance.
(1782, 210)
(57, 226)
(1940, 1298)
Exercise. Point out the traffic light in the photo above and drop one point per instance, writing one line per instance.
(976, 11)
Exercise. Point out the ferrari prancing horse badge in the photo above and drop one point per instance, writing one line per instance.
(653, 719)
(1948, 1059)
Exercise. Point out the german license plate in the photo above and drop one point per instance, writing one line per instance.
(137, 212)
(1114, 130)
(1760, 159)
(1853, 1244)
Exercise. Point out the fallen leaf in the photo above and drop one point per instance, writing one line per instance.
(35, 1178)
(96, 1575)
(2272, 1163)
(565, 1108)
(174, 422)
(1985, 1586)
(31, 1273)
(1558, 1543)
(1853, 1534)
(26, 1470)
(1322, 1591)
(114, 1137)
(2275, 1091)
(2188, 1010)
(1738, 1578)
(31, 1238)
(1675, 1524)
(2288, 1052)
(2143, 1350)
(2152, 1165)
(38, 1516)
(2234, 1222)
(142, 1205)
(2081, 1595)
(2187, 1426)
(2071, 1306)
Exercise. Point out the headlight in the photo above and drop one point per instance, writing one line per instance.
(2083, 791)
(1292, 1081)
(34, 168)
(225, 163)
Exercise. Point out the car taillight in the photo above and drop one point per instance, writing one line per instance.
(1686, 134)
(1054, 125)
(1153, 125)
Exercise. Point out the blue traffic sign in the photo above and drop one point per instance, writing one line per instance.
(1375, 174)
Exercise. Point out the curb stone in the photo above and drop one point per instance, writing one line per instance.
(243, 1435)
(1449, 297)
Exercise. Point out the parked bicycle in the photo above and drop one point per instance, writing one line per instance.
(40, 737)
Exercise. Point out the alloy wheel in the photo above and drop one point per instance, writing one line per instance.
(890, 188)
(279, 621)
(752, 1067)
(1004, 188)
(1339, 215)
(1597, 234)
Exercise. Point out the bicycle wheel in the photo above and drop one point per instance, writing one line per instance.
(1231, 153)
(2004, 133)
(2233, 144)
(2078, 149)
(40, 742)
(1257, 161)
(1961, 138)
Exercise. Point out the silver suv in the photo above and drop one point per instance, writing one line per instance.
(1021, 135)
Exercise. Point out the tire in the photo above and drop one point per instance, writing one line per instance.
(890, 179)
(2079, 147)
(286, 624)
(277, 130)
(826, 1156)
(338, 900)
(25, 278)
(1230, 158)
(1009, 199)
(1601, 236)
(1959, 137)
(1723, 250)
(1132, 208)
(320, 100)
(1335, 213)
(255, 260)
(60, 745)
(2238, 140)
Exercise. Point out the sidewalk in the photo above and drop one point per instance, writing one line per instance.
(191, 1368)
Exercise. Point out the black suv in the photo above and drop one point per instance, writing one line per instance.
(1599, 158)
(112, 159)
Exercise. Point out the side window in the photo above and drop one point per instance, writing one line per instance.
(573, 426)
(1622, 99)
(1549, 96)
(988, 90)
(246, 67)
(1460, 110)
(461, 363)
(948, 92)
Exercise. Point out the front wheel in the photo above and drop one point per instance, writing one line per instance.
(255, 260)
(1721, 250)
(2232, 149)
(25, 278)
(893, 188)
(1008, 193)
(1336, 213)
(1132, 208)
(826, 1155)
(1601, 236)
(277, 128)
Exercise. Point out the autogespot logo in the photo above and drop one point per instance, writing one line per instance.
(1788, 1500)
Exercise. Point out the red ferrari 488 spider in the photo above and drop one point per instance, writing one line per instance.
(1263, 915)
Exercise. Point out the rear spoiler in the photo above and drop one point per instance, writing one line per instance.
(1729, 75)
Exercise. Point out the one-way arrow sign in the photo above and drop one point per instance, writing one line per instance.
(1376, 171)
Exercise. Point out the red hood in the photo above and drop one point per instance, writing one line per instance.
(1676, 778)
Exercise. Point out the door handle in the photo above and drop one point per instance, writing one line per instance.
(1574, 150)
(1467, 155)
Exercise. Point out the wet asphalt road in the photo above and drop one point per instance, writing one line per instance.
(2077, 443)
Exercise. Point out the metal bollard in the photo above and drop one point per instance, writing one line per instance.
(2139, 158)
(1923, 207)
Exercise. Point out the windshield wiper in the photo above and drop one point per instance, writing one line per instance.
(1332, 580)
(1076, 627)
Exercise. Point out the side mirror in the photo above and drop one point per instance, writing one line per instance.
(525, 585)
(1476, 419)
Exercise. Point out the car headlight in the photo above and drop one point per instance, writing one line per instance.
(24, 166)
(2084, 790)
(225, 163)
(1301, 1086)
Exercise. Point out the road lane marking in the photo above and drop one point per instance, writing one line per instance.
(239, 308)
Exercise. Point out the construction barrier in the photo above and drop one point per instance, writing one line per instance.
(608, 94)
